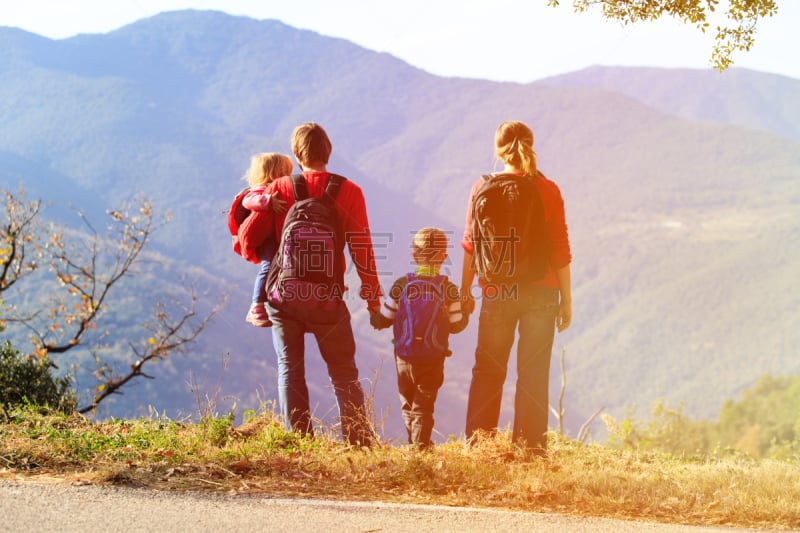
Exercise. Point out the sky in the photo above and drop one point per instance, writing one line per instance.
(501, 40)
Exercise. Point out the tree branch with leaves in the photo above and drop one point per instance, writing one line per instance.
(735, 34)
(88, 274)
(170, 333)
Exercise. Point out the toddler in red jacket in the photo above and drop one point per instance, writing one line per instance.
(264, 168)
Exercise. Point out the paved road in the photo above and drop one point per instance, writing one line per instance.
(35, 506)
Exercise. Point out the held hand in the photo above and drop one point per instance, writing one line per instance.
(467, 302)
(375, 320)
(564, 317)
(374, 310)
(277, 205)
(373, 306)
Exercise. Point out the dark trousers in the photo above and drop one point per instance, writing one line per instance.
(418, 384)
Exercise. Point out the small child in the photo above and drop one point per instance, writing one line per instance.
(424, 308)
(264, 168)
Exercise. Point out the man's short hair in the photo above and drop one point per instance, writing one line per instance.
(310, 144)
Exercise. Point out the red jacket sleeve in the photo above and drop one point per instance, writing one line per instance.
(254, 232)
(359, 242)
(560, 252)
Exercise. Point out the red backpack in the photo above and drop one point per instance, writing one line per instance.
(236, 216)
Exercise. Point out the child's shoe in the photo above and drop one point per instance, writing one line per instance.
(257, 315)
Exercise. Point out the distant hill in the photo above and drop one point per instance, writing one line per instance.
(742, 97)
(682, 191)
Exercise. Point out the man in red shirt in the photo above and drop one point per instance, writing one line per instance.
(312, 148)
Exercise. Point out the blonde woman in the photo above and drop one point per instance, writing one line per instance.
(534, 305)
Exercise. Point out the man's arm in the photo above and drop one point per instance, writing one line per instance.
(359, 244)
(254, 232)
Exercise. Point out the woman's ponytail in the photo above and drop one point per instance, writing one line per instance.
(513, 142)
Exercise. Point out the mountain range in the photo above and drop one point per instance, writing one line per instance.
(681, 187)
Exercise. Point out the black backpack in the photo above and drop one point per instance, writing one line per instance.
(306, 276)
(509, 233)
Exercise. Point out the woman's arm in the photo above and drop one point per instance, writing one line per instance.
(564, 317)
(467, 275)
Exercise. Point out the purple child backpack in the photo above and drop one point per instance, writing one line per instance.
(422, 321)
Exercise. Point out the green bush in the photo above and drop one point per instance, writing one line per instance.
(764, 423)
(26, 380)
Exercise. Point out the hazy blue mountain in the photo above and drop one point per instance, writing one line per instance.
(743, 97)
(682, 190)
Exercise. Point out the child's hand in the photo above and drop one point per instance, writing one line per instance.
(377, 321)
(277, 205)
(467, 302)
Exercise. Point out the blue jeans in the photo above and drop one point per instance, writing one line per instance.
(266, 254)
(532, 311)
(338, 349)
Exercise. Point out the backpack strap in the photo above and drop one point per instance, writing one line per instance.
(332, 186)
(299, 187)
(410, 276)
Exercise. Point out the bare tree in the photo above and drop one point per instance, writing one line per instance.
(88, 266)
(24, 239)
(559, 414)
(583, 433)
(736, 33)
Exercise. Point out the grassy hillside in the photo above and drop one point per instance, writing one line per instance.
(260, 458)
(682, 195)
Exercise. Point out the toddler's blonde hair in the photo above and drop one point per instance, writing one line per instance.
(266, 167)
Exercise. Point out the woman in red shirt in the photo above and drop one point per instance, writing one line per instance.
(534, 308)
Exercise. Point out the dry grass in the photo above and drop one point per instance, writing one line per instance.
(260, 457)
